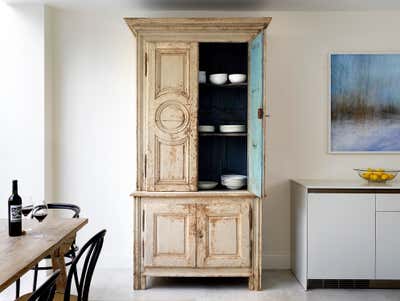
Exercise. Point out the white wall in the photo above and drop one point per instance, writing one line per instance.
(21, 101)
(93, 114)
(94, 126)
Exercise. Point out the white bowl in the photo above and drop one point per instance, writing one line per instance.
(218, 78)
(206, 128)
(237, 128)
(234, 186)
(207, 185)
(233, 177)
(237, 78)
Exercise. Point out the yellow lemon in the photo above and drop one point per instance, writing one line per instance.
(373, 177)
(370, 169)
(380, 169)
(384, 177)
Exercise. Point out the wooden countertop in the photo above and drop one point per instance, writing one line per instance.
(346, 184)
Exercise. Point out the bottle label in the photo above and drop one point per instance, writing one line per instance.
(15, 213)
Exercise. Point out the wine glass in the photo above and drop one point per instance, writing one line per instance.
(39, 212)
(27, 208)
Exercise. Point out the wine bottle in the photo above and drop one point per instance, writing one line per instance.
(14, 211)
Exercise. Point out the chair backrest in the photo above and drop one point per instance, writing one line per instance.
(47, 290)
(92, 250)
(65, 206)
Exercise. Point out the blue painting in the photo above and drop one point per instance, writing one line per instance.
(365, 103)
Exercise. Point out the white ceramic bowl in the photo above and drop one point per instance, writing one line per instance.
(237, 78)
(233, 177)
(233, 186)
(218, 78)
(205, 185)
(237, 128)
(206, 128)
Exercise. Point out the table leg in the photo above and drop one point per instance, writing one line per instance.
(58, 262)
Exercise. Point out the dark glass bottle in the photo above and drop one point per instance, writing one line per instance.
(14, 211)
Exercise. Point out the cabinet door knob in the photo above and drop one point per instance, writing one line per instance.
(200, 234)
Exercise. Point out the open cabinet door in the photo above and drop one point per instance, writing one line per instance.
(255, 130)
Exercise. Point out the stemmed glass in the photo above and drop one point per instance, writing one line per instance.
(27, 209)
(40, 212)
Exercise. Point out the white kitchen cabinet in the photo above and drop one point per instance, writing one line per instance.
(387, 236)
(345, 230)
(341, 236)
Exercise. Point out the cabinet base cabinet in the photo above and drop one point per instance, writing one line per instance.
(345, 234)
(197, 237)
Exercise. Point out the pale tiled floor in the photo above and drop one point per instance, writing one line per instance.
(278, 286)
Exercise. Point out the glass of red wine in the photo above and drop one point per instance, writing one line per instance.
(27, 209)
(39, 212)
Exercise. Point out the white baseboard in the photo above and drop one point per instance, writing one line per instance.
(276, 261)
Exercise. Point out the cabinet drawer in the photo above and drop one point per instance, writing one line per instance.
(388, 202)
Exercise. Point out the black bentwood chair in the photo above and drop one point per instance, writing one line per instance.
(92, 250)
(71, 253)
(45, 292)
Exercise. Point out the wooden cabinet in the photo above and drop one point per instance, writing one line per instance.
(224, 234)
(171, 81)
(169, 234)
(196, 233)
(178, 230)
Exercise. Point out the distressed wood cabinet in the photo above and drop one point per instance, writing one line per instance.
(179, 230)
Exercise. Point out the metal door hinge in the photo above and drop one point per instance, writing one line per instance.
(143, 223)
(145, 166)
(260, 113)
(145, 64)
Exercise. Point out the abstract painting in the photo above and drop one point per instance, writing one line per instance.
(365, 103)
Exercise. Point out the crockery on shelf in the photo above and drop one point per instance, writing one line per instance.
(218, 78)
(237, 78)
(202, 77)
(233, 181)
(232, 128)
(205, 185)
(206, 128)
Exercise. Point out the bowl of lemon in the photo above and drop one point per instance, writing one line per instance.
(377, 175)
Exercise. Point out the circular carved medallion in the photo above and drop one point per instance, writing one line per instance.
(172, 117)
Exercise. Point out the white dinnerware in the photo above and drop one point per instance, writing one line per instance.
(202, 77)
(237, 78)
(206, 128)
(206, 185)
(218, 78)
(237, 128)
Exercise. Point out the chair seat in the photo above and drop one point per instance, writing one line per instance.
(57, 297)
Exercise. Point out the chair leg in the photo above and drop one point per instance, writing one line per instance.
(75, 271)
(17, 287)
(35, 275)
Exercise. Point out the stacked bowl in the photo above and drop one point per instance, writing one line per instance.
(233, 181)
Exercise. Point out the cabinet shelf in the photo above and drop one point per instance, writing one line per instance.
(223, 134)
(230, 85)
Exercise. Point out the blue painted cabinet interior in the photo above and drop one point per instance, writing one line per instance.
(255, 131)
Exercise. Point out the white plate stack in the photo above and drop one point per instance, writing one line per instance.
(233, 182)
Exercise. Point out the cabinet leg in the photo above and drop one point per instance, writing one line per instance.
(139, 283)
(143, 282)
(251, 283)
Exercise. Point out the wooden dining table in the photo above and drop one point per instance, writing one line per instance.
(53, 237)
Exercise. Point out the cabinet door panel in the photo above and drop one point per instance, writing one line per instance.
(169, 234)
(387, 245)
(256, 131)
(223, 234)
(341, 236)
(172, 117)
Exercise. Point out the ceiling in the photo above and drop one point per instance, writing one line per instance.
(238, 5)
